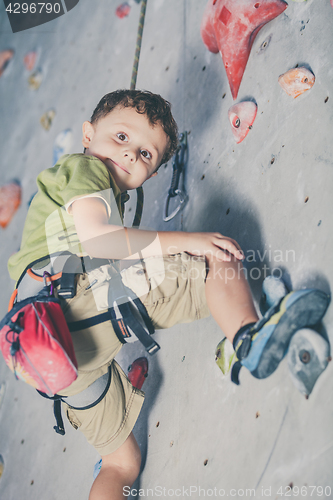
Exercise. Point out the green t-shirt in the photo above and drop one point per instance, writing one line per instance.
(49, 226)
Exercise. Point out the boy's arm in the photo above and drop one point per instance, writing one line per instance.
(102, 240)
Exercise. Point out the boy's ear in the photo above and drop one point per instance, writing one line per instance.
(87, 134)
(152, 175)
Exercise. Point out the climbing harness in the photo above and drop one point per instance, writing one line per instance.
(178, 165)
(127, 314)
(84, 400)
(81, 401)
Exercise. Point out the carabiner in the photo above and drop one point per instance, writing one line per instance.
(46, 275)
(182, 199)
(178, 166)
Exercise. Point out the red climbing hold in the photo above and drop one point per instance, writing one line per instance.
(230, 27)
(123, 10)
(5, 57)
(10, 199)
(241, 117)
(30, 60)
(138, 372)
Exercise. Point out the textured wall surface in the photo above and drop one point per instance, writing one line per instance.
(272, 193)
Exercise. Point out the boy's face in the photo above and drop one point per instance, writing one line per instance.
(129, 146)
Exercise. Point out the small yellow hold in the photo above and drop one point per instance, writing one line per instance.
(35, 80)
(225, 356)
(47, 118)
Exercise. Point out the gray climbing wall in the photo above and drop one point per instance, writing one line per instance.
(272, 193)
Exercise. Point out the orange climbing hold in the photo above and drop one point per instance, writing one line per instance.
(5, 57)
(230, 27)
(10, 199)
(296, 81)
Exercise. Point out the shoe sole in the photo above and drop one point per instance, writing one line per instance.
(308, 310)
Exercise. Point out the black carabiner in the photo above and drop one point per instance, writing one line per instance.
(178, 166)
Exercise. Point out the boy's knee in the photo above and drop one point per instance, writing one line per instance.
(227, 271)
(126, 464)
(133, 465)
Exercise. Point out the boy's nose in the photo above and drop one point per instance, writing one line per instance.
(131, 155)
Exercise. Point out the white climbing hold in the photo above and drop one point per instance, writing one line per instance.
(308, 356)
(62, 144)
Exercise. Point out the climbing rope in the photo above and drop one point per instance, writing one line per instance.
(138, 44)
(139, 191)
(179, 161)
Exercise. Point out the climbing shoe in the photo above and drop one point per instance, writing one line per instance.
(261, 346)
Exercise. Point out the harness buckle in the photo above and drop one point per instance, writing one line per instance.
(153, 349)
(71, 268)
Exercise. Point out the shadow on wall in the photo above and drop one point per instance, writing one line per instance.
(204, 86)
(237, 219)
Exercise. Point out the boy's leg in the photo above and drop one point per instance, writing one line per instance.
(228, 296)
(119, 469)
(259, 345)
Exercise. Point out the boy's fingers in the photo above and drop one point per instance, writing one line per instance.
(223, 256)
(232, 248)
(237, 248)
(239, 255)
(226, 257)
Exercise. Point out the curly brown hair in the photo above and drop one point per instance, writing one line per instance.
(157, 110)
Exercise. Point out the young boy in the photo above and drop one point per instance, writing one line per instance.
(131, 133)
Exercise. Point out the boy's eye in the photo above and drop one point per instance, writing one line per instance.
(145, 154)
(122, 136)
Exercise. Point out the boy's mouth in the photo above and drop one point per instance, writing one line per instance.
(120, 166)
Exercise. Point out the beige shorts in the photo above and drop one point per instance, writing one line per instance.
(172, 289)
